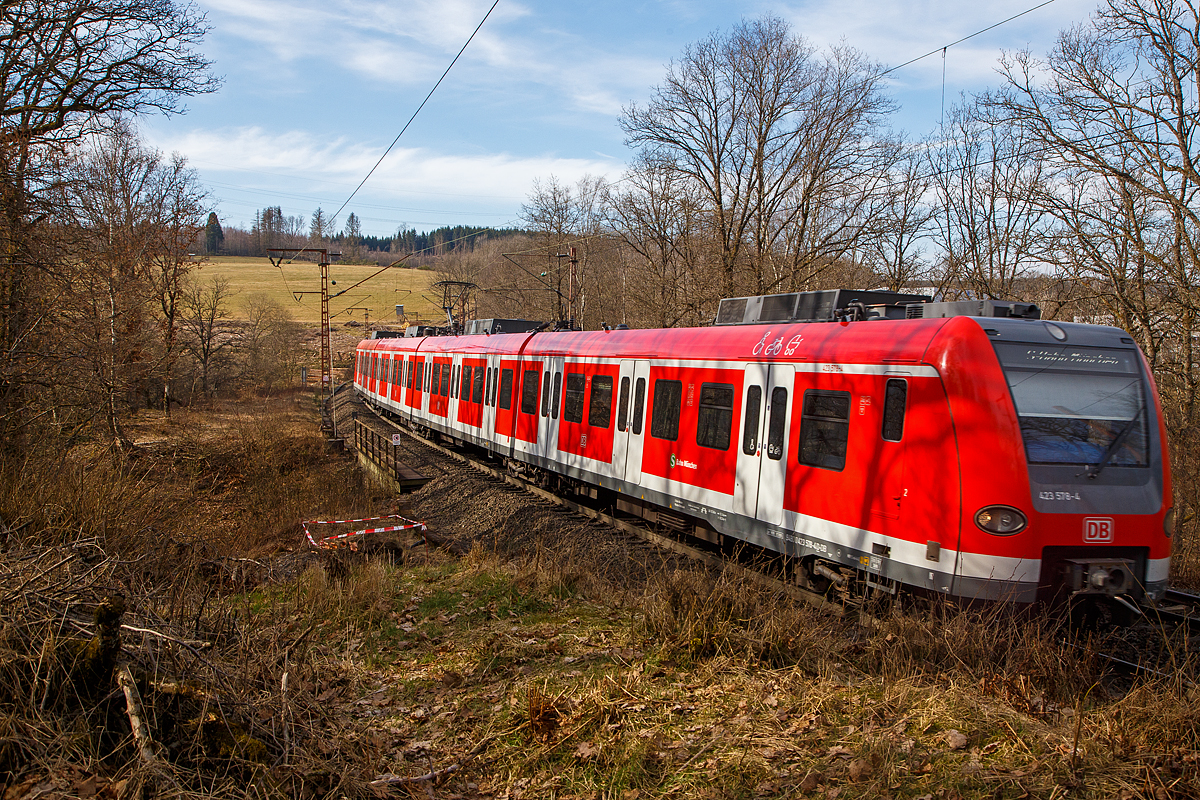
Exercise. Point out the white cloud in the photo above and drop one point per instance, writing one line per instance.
(264, 159)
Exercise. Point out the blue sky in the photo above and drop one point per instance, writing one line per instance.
(315, 90)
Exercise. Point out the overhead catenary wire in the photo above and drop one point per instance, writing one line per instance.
(418, 111)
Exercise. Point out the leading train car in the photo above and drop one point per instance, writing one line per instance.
(993, 457)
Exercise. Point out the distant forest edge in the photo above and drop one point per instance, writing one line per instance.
(272, 228)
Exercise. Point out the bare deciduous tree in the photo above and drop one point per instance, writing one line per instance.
(205, 307)
(66, 65)
(786, 148)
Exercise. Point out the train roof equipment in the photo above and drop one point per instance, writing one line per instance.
(835, 305)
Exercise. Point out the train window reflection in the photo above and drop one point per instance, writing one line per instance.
(506, 380)
(777, 424)
(715, 419)
(477, 387)
(1078, 405)
(573, 402)
(750, 429)
(895, 400)
(623, 405)
(824, 429)
(557, 394)
(665, 422)
(639, 405)
(529, 392)
(600, 403)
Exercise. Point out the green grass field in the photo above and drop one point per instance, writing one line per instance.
(379, 295)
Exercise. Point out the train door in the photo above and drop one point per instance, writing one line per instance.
(632, 439)
(889, 468)
(750, 444)
(774, 446)
(492, 379)
(551, 406)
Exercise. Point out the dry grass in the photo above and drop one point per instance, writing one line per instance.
(520, 670)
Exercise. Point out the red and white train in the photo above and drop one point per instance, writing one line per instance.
(997, 457)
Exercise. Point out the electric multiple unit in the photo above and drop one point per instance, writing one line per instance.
(894, 442)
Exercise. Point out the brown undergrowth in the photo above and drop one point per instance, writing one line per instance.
(518, 670)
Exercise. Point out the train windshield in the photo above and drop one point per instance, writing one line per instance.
(1078, 405)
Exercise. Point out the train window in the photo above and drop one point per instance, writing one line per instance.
(464, 389)
(573, 402)
(555, 393)
(454, 383)
(776, 423)
(824, 429)
(639, 405)
(529, 391)
(750, 429)
(623, 405)
(546, 394)
(435, 384)
(665, 422)
(445, 380)
(506, 379)
(408, 374)
(477, 386)
(715, 419)
(600, 405)
(895, 400)
(489, 395)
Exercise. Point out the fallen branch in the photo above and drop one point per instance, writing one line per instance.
(388, 779)
(133, 707)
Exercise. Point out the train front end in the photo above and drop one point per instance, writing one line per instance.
(1066, 488)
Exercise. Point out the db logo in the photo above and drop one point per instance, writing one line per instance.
(1097, 530)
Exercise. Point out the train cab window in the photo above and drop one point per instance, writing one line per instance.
(777, 423)
(895, 400)
(477, 386)
(445, 380)
(715, 420)
(557, 396)
(573, 399)
(600, 404)
(529, 392)
(824, 429)
(546, 394)
(623, 405)
(750, 428)
(639, 405)
(506, 379)
(664, 424)
(435, 384)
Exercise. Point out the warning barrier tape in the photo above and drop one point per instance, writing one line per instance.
(336, 539)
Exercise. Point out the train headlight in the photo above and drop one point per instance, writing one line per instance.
(1001, 520)
(1169, 522)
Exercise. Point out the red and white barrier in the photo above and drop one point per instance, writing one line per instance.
(348, 538)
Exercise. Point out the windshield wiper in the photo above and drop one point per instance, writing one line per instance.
(1094, 470)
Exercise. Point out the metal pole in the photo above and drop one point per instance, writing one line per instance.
(326, 353)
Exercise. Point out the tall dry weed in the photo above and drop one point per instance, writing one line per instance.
(701, 615)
